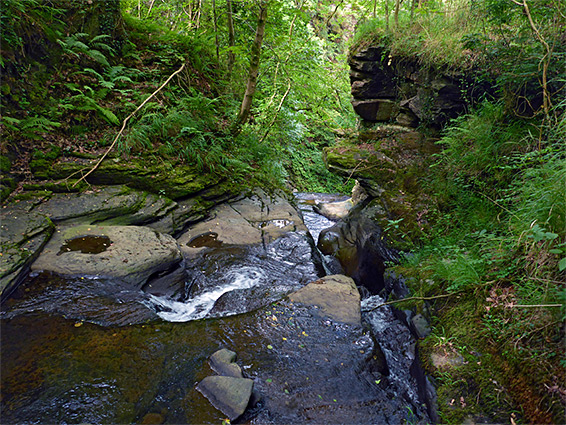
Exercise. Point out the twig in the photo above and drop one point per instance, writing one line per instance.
(276, 112)
(535, 305)
(413, 298)
(125, 122)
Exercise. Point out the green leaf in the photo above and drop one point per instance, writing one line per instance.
(108, 115)
(98, 56)
(562, 264)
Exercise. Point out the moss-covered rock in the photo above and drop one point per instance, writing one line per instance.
(5, 164)
(177, 182)
(391, 164)
(23, 234)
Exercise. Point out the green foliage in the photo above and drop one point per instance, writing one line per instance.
(33, 127)
(479, 148)
(433, 36)
(308, 173)
(73, 45)
(26, 23)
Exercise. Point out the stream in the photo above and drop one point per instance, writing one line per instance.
(86, 350)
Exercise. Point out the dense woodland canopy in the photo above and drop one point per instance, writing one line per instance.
(264, 87)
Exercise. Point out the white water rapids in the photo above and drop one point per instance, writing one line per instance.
(199, 306)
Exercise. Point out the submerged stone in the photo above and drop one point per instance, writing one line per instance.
(228, 394)
(223, 362)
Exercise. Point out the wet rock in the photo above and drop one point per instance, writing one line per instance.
(116, 205)
(251, 252)
(228, 394)
(223, 362)
(420, 326)
(253, 220)
(105, 302)
(334, 210)
(135, 254)
(255, 275)
(22, 236)
(169, 282)
(337, 297)
(358, 244)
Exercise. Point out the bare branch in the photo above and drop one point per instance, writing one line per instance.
(125, 122)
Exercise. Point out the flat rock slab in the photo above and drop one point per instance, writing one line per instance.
(337, 297)
(133, 255)
(228, 394)
(119, 204)
(250, 221)
(22, 236)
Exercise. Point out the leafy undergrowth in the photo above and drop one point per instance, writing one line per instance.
(75, 107)
(497, 258)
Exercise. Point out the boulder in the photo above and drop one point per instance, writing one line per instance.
(337, 297)
(131, 253)
(334, 210)
(420, 326)
(228, 394)
(358, 243)
(223, 362)
(374, 110)
(22, 236)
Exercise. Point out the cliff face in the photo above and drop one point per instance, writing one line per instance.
(402, 91)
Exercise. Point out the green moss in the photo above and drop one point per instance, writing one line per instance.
(7, 185)
(5, 164)
(34, 194)
(65, 186)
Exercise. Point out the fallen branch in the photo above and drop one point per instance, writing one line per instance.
(124, 125)
(413, 299)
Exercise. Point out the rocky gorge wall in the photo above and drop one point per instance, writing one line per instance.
(400, 90)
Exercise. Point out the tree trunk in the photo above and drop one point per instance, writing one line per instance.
(386, 15)
(396, 13)
(215, 27)
(254, 66)
(231, 37)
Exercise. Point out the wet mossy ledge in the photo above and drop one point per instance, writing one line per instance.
(174, 181)
(165, 197)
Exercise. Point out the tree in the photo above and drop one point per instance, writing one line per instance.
(254, 66)
(231, 36)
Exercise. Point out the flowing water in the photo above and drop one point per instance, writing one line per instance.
(100, 351)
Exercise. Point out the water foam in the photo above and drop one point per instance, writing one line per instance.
(199, 306)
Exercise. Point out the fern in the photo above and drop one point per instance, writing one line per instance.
(73, 45)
